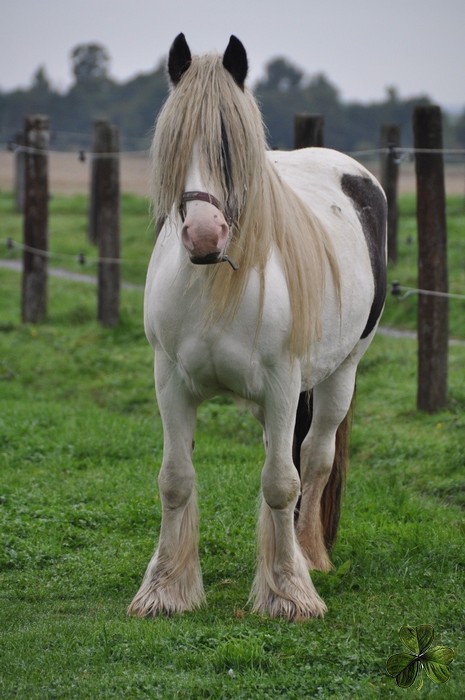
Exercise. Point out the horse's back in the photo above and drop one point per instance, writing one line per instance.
(326, 179)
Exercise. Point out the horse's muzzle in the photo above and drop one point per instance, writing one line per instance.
(212, 259)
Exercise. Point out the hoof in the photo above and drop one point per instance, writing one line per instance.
(158, 604)
(278, 607)
(164, 591)
(293, 598)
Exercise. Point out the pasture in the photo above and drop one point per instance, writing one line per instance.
(81, 443)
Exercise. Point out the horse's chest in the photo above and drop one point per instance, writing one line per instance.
(211, 359)
(218, 364)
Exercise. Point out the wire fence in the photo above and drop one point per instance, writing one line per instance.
(69, 170)
(402, 292)
(31, 184)
(399, 154)
(397, 290)
(80, 258)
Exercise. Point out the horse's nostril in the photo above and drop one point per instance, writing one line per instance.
(186, 238)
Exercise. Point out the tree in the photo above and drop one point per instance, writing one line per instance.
(281, 75)
(90, 63)
(322, 96)
(40, 81)
(392, 94)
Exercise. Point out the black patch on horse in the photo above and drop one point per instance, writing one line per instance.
(226, 156)
(303, 420)
(371, 209)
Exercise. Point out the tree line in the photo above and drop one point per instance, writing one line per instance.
(283, 91)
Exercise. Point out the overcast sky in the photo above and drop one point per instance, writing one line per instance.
(362, 46)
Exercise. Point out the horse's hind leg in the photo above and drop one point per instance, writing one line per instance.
(173, 581)
(282, 585)
(323, 461)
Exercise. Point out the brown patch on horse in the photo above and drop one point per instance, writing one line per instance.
(331, 499)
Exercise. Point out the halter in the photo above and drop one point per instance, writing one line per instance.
(204, 197)
(207, 197)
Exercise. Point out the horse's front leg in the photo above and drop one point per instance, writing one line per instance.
(173, 580)
(282, 586)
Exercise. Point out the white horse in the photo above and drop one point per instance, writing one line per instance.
(266, 284)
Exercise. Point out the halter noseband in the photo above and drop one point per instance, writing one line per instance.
(207, 197)
(203, 197)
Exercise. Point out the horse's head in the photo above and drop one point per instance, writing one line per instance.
(209, 161)
(207, 218)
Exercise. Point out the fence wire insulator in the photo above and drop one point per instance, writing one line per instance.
(81, 259)
(82, 156)
(394, 153)
(401, 292)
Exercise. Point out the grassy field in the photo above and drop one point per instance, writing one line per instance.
(404, 313)
(68, 217)
(80, 446)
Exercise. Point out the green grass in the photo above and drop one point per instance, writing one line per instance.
(403, 313)
(67, 239)
(80, 447)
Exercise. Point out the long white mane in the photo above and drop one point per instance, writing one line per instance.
(208, 109)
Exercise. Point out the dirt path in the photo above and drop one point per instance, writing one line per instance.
(68, 175)
(17, 266)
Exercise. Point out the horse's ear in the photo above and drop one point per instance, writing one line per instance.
(179, 58)
(235, 60)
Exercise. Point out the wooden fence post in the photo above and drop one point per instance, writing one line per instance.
(35, 222)
(20, 166)
(308, 130)
(390, 139)
(433, 311)
(104, 223)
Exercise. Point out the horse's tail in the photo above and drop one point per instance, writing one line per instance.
(331, 500)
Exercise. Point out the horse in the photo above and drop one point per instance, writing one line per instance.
(266, 284)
